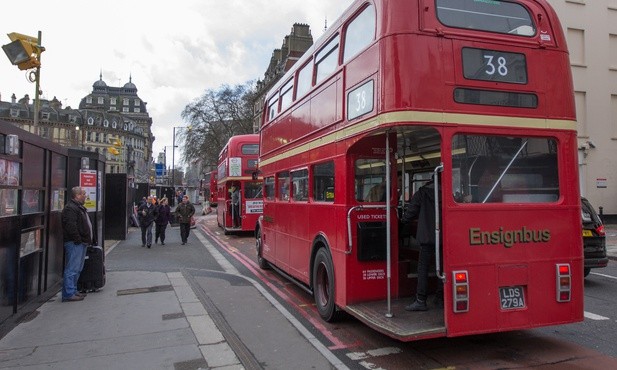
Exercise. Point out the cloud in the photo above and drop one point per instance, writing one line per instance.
(173, 51)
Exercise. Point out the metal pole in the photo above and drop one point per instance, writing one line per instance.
(388, 226)
(37, 87)
(173, 162)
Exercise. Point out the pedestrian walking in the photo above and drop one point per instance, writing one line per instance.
(162, 219)
(147, 214)
(235, 206)
(77, 236)
(184, 211)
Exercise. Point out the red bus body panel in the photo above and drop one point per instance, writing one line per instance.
(415, 64)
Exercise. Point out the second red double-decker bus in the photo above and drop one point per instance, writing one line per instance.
(476, 95)
(239, 196)
(213, 189)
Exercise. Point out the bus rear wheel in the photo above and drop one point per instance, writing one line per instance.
(263, 264)
(323, 286)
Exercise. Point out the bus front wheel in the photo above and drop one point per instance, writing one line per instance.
(323, 286)
(263, 264)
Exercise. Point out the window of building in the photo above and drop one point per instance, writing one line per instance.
(576, 46)
(287, 94)
(300, 185)
(125, 109)
(323, 182)
(136, 102)
(305, 80)
(14, 112)
(360, 32)
(113, 101)
(45, 116)
(101, 100)
(125, 101)
(326, 60)
(283, 185)
(89, 100)
(136, 110)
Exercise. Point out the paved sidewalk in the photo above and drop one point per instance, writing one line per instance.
(139, 320)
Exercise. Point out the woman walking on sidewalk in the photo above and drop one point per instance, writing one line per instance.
(163, 218)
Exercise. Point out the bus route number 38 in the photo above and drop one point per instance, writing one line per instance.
(511, 297)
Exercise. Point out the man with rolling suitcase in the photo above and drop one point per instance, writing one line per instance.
(77, 235)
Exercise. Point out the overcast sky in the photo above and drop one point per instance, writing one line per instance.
(174, 50)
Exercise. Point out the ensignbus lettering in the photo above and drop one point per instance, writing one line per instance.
(508, 238)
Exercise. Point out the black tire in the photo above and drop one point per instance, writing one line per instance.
(587, 271)
(323, 286)
(263, 264)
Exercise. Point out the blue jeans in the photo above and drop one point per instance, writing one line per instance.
(146, 234)
(75, 255)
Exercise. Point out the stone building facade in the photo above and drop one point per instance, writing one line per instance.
(108, 117)
(294, 46)
(590, 27)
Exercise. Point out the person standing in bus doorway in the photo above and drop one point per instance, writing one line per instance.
(422, 207)
(77, 235)
(184, 212)
(235, 206)
(147, 214)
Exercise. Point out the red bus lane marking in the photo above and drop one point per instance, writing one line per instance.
(252, 266)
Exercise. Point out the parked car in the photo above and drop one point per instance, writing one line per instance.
(594, 238)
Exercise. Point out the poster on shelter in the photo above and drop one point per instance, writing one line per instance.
(88, 182)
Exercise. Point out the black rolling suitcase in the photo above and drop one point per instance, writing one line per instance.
(92, 277)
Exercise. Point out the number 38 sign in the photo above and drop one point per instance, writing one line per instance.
(492, 65)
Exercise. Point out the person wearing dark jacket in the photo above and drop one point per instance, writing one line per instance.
(422, 207)
(184, 212)
(77, 236)
(147, 214)
(163, 218)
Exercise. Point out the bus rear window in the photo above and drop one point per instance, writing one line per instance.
(501, 169)
(486, 15)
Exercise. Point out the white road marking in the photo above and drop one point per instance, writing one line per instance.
(593, 316)
(373, 353)
(603, 275)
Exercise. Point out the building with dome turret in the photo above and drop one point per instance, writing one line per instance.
(112, 121)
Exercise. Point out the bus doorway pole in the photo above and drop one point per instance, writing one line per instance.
(388, 223)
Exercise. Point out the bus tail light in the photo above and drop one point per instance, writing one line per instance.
(461, 291)
(564, 282)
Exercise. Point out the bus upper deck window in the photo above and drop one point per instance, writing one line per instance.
(360, 32)
(486, 15)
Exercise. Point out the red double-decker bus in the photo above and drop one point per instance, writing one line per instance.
(239, 196)
(475, 94)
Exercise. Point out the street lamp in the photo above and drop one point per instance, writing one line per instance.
(173, 153)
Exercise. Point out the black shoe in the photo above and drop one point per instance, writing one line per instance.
(417, 305)
(183, 243)
(81, 294)
(156, 241)
(74, 298)
(162, 243)
(149, 245)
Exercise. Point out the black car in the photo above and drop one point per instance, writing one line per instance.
(594, 239)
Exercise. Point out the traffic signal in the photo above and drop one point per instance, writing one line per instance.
(115, 148)
(23, 51)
